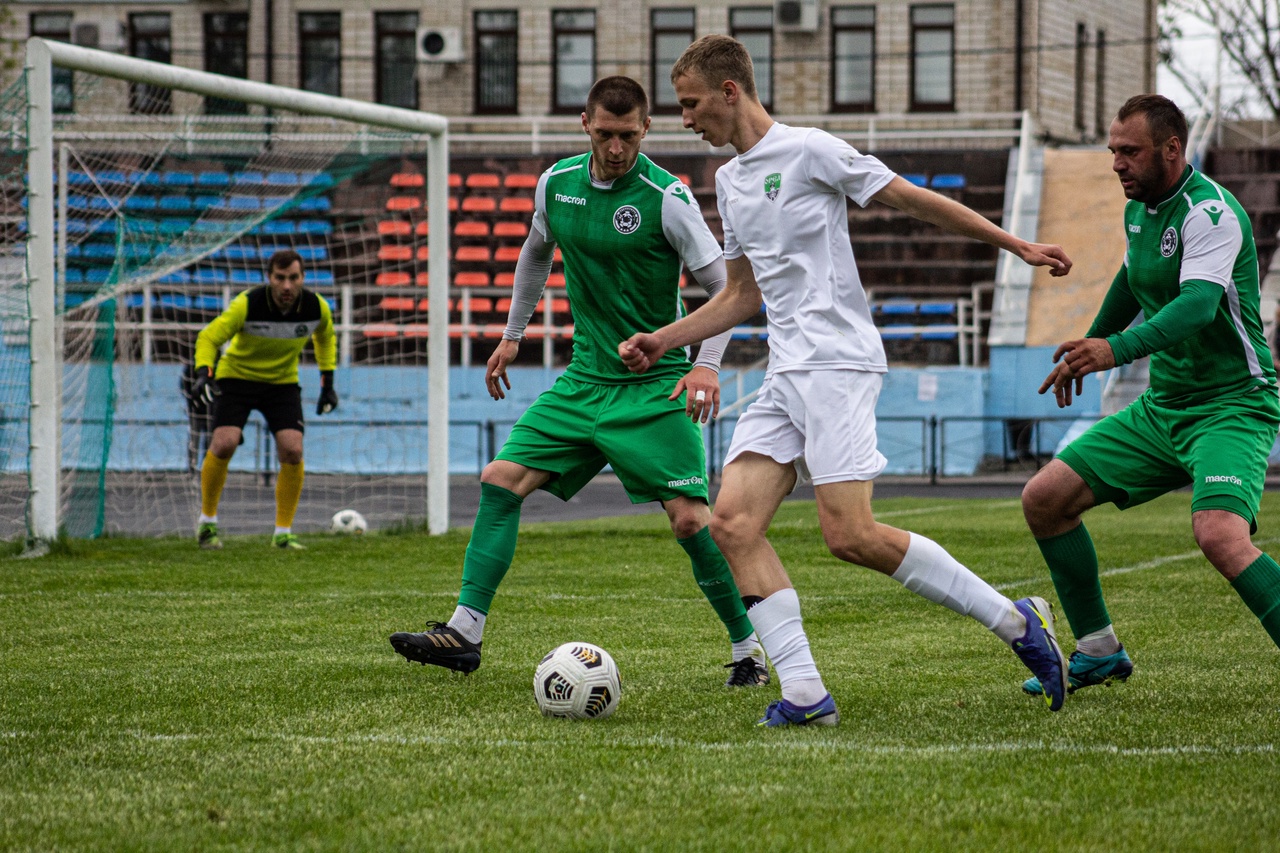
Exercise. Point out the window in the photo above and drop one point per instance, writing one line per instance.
(1100, 87)
(672, 32)
(56, 26)
(933, 32)
(497, 61)
(396, 58)
(149, 38)
(754, 28)
(1082, 44)
(226, 51)
(573, 63)
(320, 52)
(853, 52)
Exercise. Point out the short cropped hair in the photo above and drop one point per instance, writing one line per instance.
(1164, 119)
(714, 59)
(283, 259)
(619, 95)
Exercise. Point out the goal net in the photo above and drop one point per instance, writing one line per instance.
(137, 200)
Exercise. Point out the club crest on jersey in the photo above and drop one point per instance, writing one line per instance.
(626, 219)
(1169, 242)
(772, 185)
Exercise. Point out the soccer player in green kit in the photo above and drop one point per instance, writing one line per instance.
(1211, 414)
(625, 227)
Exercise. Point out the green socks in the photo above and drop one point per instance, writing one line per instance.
(1259, 587)
(711, 571)
(492, 546)
(1073, 565)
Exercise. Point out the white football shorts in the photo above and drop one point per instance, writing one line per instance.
(822, 421)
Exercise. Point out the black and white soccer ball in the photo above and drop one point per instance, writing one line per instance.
(348, 522)
(577, 681)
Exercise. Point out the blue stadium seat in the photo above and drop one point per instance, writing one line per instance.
(213, 179)
(98, 202)
(77, 226)
(240, 202)
(112, 176)
(320, 278)
(311, 254)
(246, 277)
(249, 178)
(140, 202)
(271, 202)
(174, 224)
(283, 179)
(237, 252)
(209, 276)
(71, 300)
(97, 275)
(315, 180)
(918, 180)
(99, 251)
(104, 227)
(315, 226)
(948, 182)
(134, 300)
(938, 335)
(78, 179)
(275, 227)
(72, 250)
(175, 277)
(898, 308)
(206, 302)
(75, 275)
(146, 179)
(174, 202)
(179, 301)
(316, 204)
(897, 333)
(178, 179)
(203, 201)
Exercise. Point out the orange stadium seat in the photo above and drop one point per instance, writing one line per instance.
(455, 180)
(510, 229)
(482, 181)
(422, 229)
(471, 229)
(408, 179)
(516, 204)
(404, 202)
(381, 330)
(396, 303)
(507, 254)
(479, 204)
(424, 253)
(520, 181)
(395, 253)
(471, 254)
(471, 279)
(505, 279)
(392, 279)
(394, 228)
(556, 279)
(422, 280)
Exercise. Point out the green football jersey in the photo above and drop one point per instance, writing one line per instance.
(1199, 232)
(622, 273)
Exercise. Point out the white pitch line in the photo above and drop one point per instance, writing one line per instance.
(817, 744)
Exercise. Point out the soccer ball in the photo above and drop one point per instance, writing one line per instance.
(577, 681)
(348, 522)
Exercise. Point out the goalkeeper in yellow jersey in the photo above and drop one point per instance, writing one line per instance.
(267, 326)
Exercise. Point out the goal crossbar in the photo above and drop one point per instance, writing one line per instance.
(46, 359)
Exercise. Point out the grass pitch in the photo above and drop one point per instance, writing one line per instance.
(155, 697)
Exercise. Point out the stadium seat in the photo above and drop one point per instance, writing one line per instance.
(520, 181)
(516, 204)
(947, 182)
(480, 204)
(455, 180)
(395, 228)
(380, 330)
(246, 277)
(422, 280)
(320, 278)
(684, 179)
(482, 181)
(395, 253)
(172, 224)
(71, 300)
(393, 279)
(322, 227)
(422, 229)
(397, 303)
(206, 302)
(400, 203)
(408, 180)
(934, 310)
(112, 176)
(140, 202)
(176, 301)
(174, 202)
(75, 275)
(504, 279)
(315, 204)
(471, 229)
(174, 278)
(470, 254)
(178, 179)
(98, 275)
(209, 276)
(242, 203)
(213, 179)
(249, 178)
(897, 332)
(917, 180)
(510, 229)
(311, 254)
(507, 254)
(897, 308)
(471, 279)
(276, 227)
(282, 179)
(424, 253)
(556, 279)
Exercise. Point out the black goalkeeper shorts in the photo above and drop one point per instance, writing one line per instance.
(281, 405)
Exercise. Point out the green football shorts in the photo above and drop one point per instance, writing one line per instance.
(1218, 448)
(575, 428)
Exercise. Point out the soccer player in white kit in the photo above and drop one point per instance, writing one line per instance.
(786, 241)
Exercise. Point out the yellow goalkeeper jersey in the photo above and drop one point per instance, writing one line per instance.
(265, 344)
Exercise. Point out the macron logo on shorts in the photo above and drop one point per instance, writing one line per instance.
(687, 481)
(1224, 478)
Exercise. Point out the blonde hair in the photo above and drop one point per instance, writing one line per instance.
(715, 59)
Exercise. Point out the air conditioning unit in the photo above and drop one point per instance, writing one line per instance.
(98, 34)
(796, 16)
(439, 44)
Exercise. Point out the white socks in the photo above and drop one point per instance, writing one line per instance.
(750, 647)
(280, 530)
(929, 571)
(207, 519)
(1099, 644)
(469, 623)
(777, 622)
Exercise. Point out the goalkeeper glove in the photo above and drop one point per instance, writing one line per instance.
(205, 388)
(328, 397)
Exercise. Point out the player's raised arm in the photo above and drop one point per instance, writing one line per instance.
(958, 219)
(739, 300)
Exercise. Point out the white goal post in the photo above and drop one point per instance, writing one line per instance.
(46, 357)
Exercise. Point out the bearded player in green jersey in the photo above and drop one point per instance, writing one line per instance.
(625, 227)
(1210, 416)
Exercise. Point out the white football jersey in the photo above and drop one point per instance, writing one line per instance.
(783, 206)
